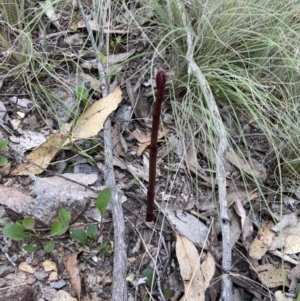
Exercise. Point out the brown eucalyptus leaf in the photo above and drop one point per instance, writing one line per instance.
(71, 265)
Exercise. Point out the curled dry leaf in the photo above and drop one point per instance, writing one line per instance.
(143, 146)
(71, 265)
(144, 138)
(116, 139)
(240, 211)
(189, 263)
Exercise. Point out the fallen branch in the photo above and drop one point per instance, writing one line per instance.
(119, 290)
(220, 157)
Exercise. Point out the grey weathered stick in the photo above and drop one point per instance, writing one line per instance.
(226, 294)
(119, 290)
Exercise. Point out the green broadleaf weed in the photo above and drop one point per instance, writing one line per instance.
(16, 232)
(92, 232)
(30, 248)
(59, 228)
(79, 235)
(103, 200)
(49, 246)
(64, 215)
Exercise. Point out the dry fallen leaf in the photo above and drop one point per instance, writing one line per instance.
(208, 268)
(240, 211)
(42, 156)
(186, 224)
(88, 125)
(251, 167)
(292, 244)
(91, 122)
(272, 276)
(71, 265)
(262, 242)
(143, 146)
(189, 263)
(116, 139)
(144, 138)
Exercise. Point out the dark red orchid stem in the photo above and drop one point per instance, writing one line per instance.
(160, 85)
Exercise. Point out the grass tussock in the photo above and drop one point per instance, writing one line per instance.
(248, 52)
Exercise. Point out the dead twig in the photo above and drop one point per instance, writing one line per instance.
(119, 291)
(220, 156)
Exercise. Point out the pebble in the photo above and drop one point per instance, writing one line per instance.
(58, 284)
(106, 281)
(31, 279)
(2, 282)
(41, 275)
(4, 270)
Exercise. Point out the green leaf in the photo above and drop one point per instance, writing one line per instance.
(3, 161)
(79, 235)
(28, 222)
(30, 248)
(118, 39)
(103, 200)
(86, 155)
(49, 246)
(64, 215)
(105, 249)
(58, 228)
(16, 232)
(150, 277)
(82, 93)
(168, 293)
(3, 144)
(298, 292)
(103, 57)
(136, 182)
(92, 231)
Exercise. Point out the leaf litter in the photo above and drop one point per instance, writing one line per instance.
(252, 231)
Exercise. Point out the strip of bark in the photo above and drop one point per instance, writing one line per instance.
(220, 157)
(119, 289)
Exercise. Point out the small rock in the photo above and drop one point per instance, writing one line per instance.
(40, 253)
(31, 279)
(4, 270)
(2, 282)
(24, 293)
(58, 284)
(106, 281)
(49, 293)
(53, 276)
(63, 296)
(41, 275)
